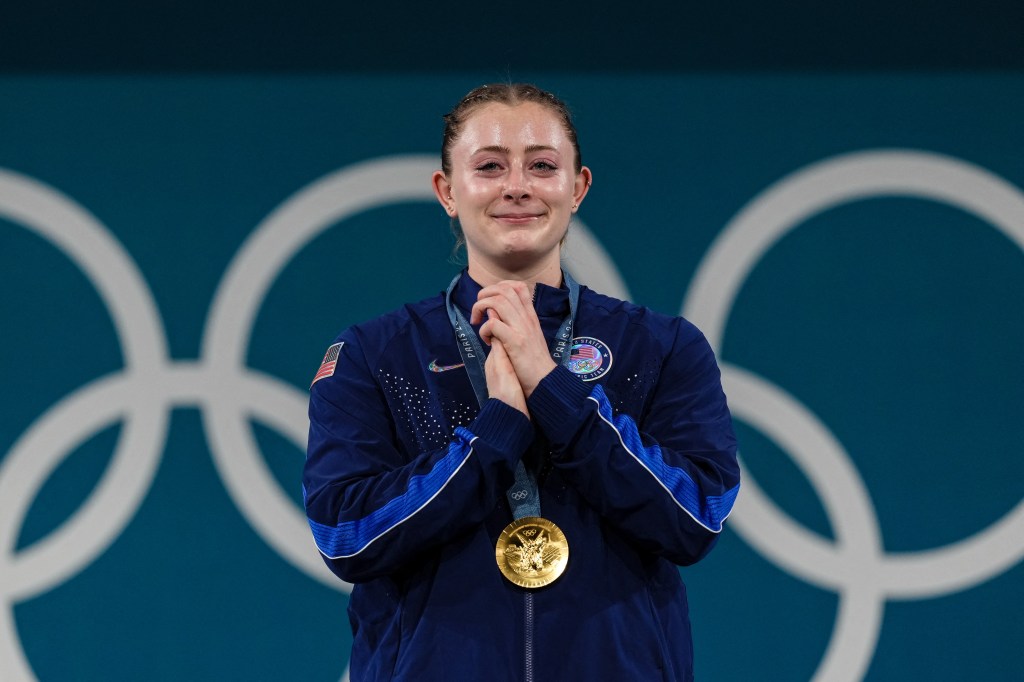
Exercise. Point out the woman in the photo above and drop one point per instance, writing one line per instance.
(510, 472)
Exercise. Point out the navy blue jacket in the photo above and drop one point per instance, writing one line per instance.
(405, 481)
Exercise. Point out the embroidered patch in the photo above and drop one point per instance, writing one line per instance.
(589, 358)
(329, 363)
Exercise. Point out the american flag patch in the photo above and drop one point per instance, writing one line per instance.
(585, 352)
(329, 363)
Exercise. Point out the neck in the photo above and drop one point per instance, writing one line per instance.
(486, 274)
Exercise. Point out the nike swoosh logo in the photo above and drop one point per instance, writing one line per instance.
(434, 367)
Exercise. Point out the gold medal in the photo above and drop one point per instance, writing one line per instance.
(531, 552)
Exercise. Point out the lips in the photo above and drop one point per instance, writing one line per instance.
(517, 217)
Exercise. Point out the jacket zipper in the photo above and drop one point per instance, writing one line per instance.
(528, 638)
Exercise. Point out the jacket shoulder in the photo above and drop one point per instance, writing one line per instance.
(373, 337)
(668, 330)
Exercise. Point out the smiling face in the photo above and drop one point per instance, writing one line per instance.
(513, 187)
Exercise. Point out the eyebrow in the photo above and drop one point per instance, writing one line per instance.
(505, 150)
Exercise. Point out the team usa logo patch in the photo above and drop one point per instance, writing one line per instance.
(590, 358)
(330, 361)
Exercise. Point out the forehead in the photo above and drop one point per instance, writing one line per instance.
(526, 123)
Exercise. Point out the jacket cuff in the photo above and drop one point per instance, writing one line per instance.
(502, 427)
(554, 403)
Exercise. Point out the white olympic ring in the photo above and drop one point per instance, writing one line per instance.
(37, 453)
(855, 565)
(230, 395)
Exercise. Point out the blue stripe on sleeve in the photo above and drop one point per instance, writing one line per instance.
(710, 512)
(349, 538)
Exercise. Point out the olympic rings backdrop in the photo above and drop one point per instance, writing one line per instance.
(177, 252)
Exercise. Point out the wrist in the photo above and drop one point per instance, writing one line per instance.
(528, 385)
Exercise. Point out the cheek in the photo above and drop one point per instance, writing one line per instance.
(561, 189)
(473, 189)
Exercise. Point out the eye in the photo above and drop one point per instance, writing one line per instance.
(544, 166)
(488, 167)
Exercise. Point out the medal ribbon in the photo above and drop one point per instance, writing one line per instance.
(523, 496)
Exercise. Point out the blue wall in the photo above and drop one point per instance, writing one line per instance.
(176, 251)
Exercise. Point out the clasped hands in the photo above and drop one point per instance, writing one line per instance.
(519, 356)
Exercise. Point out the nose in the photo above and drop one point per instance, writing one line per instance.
(515, 186)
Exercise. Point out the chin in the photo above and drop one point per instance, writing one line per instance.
(536, 241)
(521, 256)
(530, 249)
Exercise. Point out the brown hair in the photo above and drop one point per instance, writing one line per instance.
(503, 93)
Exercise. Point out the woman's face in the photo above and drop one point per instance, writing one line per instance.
(513, 187)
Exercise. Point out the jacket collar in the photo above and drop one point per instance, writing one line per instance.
(547, 301)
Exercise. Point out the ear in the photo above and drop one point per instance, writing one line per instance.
(583, 181)
(443, 192)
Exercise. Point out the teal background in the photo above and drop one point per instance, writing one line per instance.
(896, 321)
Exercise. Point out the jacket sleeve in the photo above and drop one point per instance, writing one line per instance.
(372, 507)
(669, 482)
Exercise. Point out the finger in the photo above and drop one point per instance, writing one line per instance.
(512, 336)
(510, 310)
(525, 294)
(506, 288)
(481, 309)
(499, 353)
(487, 328)
(477, 313)
(502, 382)
(516, 294)
(493, 300)
(484, 310)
